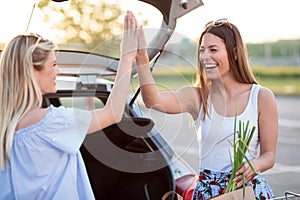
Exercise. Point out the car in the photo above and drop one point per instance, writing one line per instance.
(130, 159)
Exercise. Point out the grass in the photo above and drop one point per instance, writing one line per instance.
(282, 86)
(281, 80)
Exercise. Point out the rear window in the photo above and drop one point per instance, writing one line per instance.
(85, 103)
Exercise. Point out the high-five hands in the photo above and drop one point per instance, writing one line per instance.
(129, 43)
(141, 56)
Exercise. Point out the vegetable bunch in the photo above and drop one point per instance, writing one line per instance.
(241, 141)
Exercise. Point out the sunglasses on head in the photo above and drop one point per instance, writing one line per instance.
(39, 38)
(218, 23)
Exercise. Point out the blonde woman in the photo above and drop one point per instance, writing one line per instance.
(39, 147)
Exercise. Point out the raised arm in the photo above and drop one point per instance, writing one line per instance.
(173, 102)
(113, 110)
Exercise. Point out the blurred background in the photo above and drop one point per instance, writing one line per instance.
(270, 30)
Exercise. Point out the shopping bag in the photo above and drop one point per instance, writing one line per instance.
(237, 195)
(166, 195)
(185, 186)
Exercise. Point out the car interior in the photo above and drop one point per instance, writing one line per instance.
(102, 152)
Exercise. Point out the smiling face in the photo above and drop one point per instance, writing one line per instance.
(46, 77)
(213, 56)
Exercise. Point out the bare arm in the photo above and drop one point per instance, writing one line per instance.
(268, 134)
(268, 130)
(183, 100)
(113, 110)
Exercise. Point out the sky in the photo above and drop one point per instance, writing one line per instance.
(257, 20)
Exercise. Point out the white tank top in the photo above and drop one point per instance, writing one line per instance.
(215, 150)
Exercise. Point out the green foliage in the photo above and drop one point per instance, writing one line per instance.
(88, 23)
(257, 50)
(281, 80)
(281, 48)
(279, 71)
(281, 86)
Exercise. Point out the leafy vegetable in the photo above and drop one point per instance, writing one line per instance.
(241, 141)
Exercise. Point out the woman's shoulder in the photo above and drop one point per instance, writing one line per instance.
(265, 94)
(266, 99)
(32, 117)
(42, 116)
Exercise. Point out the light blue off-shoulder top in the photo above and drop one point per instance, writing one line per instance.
(45, 160)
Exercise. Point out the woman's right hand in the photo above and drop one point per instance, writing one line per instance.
(142, 45)
(113, 110)
(129, 43)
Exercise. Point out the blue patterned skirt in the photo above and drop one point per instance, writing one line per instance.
(212, 184)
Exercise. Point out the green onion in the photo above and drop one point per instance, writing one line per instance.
(241, 141)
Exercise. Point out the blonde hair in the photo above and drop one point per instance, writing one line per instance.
(19, 89)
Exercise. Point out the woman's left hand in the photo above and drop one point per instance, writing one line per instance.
(248, 173)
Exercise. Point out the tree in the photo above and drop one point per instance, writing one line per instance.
(90, 24)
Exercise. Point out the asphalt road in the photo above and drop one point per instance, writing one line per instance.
(284, 176)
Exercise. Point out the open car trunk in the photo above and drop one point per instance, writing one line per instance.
(139, 176)
(129, 160)
(122, 160)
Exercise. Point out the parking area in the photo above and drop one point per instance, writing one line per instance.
(284, 176)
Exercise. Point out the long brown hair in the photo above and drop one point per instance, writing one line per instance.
(237, 57)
